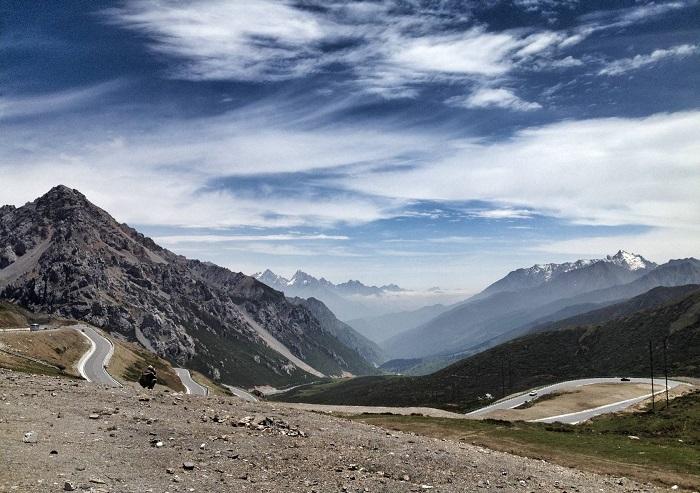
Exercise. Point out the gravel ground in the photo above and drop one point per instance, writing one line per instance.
(57, 434)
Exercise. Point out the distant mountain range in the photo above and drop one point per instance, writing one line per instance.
(510, 306)
(612, 341)
(301, 281)
(63, 255)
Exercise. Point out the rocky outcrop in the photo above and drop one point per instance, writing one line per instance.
(63, 255)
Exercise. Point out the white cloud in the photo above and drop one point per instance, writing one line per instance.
(503, 214)
(42, 104)
(474, 52)
(220, 39)
(487, 97)
(185, 160)
(624, 65)
(609, 171)
(388, 54)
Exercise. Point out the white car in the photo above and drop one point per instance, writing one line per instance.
(533, 393)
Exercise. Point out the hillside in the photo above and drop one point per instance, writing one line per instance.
(63, 255)
(369, 350)
(616, 347)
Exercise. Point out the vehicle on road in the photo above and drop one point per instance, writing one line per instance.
(624, 379)
(533, 393)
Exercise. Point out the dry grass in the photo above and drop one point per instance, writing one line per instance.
(585, 397)
(62, 347)
(129, 360)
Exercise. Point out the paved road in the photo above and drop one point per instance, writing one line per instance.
(92, 365)
(191, 386)
(577, 417)
(247, 396)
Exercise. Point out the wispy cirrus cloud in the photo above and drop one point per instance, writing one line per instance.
(624, 65)
(23, 106)
(487, 97)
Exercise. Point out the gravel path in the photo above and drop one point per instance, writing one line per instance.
(120, 440)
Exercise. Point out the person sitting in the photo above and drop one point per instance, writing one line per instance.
(148, 378)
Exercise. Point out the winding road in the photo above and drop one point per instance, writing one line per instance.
(191, 387)
(92, 364)
(238, 392)
(579, 416)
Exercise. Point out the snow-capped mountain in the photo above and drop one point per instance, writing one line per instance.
(626, 265)
(630, 261)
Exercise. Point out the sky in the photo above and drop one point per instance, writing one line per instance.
(423, 143)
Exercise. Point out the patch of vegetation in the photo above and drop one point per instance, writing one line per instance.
(667, 448)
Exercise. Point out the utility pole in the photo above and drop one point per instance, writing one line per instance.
(666, 369)
(651, 367)
(503, 380)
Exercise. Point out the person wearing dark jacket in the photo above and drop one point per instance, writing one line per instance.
(148, 378)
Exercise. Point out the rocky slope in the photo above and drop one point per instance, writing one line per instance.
(63, 255)
(106, 440)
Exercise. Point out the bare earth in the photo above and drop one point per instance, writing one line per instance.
(114, 450)
(585, 397)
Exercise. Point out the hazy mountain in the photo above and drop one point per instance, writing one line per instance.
(386, 326)
(526, 295)
(302, 285)
(616, 346)
(63, 255)
(369, 350)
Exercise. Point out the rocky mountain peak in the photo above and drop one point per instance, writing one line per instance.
(630, 261)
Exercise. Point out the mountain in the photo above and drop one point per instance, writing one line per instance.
(386, 326)
(63, 255)
(579, 276)
(527, 295)
(346, 300)
(369, 350)
(615, 346)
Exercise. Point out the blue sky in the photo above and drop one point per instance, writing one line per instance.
(417, 142)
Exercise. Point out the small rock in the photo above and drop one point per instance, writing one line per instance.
(170, 470)
(188, 466)
(53, 452)
(96, 481)
(29, 437)
(674, 487)
(633, 437)
(94, 416)
(68, 486)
